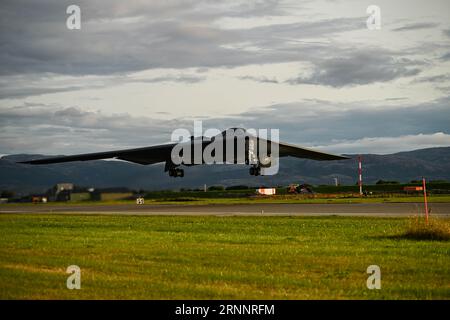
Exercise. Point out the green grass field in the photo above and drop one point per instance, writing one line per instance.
(186, 257)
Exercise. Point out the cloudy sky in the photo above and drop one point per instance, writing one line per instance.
(137, 70)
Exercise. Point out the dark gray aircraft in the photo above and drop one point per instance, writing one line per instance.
(238, 137)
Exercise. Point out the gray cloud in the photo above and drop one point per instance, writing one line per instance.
(417, 26)
(181, 78)
(33, 85)
(117, 39)
(322, 122)
(21, 92)
(358, 68)
(52, 129)
(434, 79)
(446, 56)
(57, 130)
(259, 79)
(141, 35)
(386, 145)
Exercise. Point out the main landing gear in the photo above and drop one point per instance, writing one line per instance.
(175, 172)
(255, 170)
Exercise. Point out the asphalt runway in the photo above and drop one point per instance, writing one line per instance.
(300, 209)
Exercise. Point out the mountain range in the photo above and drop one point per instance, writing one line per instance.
(433, 163)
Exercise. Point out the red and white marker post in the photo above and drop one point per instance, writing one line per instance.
(425, 198)
(360, 175)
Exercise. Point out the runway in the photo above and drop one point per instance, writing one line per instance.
(300, 209)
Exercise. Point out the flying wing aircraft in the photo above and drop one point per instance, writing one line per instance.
(164, 153)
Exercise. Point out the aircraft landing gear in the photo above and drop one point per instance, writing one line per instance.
(175, 172)
(255, 170)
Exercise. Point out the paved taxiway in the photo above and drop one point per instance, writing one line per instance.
(300, 209)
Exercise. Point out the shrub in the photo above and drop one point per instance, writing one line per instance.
(436, 229)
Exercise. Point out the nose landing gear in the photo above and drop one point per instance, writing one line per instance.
(175, 172)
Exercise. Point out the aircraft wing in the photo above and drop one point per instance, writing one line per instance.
(286, 149)
(147, 155)
(162, 153)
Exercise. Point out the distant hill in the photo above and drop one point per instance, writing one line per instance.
(434, 163)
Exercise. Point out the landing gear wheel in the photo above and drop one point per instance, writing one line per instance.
(255, 171)
(174, 172)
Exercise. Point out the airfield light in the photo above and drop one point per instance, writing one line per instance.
(336, 181)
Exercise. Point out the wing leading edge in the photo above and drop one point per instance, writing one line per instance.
(147, 155)
(162, 153)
